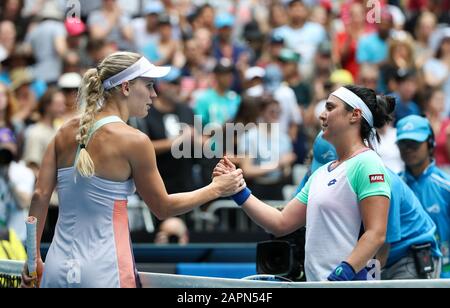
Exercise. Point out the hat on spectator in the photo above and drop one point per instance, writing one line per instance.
(341, 77)
(224, 20)
(276, 39)
(70, 81)
(252, 32)
(154, 8)
(224, 66)
(413, 127)
(324, 48)
(164, 20)
(74, 26)
(254, 72)
(20, 77)
(323, 153)
(50, 10)
(288, 55)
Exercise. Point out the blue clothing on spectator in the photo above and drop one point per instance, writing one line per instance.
(408, 223)
(433, 190)
(371, 49)
(404, 109)
(215, 108)
(39, 87)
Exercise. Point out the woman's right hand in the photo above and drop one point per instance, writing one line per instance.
(29, 282)
(225, 166)
(229, 184)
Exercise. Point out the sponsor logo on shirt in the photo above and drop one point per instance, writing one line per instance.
(332, 182)
(376, 178)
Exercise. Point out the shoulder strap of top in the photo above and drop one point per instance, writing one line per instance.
(97, 125)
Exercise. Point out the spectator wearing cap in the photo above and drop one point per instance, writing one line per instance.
(269, 60)
(21, 86)
(373, 48)
(224, 46)
(302, 35)
(145, 28)
(169, 124)
(406, 85)
(303, 94)
(290, 117)
(76, 41)
(293, 77)
(48, 44)
(112, 24)
(254, 79)
(431, 185)
(219, 103)
(38, 136)
(346, 41)
(255, 41)
(69, 84)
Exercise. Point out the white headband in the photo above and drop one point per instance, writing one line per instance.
(354, 101)
(142, 68)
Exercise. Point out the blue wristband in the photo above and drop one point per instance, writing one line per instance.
(344, 272)
(242, 196)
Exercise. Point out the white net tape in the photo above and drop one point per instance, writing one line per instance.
(151, 280)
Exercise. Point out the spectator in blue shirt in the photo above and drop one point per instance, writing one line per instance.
(408, 225)
(431, 185)
(373, 48)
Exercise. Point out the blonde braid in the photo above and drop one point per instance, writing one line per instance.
(92, 95)
(91, 92)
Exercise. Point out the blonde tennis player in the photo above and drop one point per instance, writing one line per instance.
(345, 203)
(96, 162)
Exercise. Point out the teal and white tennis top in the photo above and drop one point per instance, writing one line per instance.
(333, 219)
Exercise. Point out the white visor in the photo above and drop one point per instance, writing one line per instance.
(355, 102)
(142, 68)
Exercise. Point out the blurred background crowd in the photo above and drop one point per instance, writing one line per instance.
(234, 61)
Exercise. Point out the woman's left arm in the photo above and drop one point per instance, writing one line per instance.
(374, 213)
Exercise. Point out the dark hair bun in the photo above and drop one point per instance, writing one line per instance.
(382, 110)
